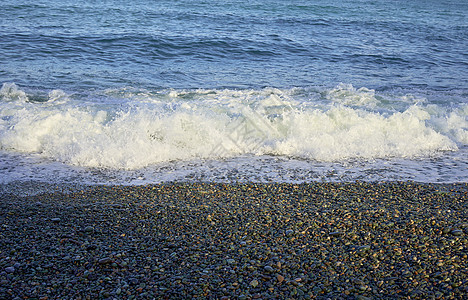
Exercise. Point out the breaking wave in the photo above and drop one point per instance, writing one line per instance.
(131, 128)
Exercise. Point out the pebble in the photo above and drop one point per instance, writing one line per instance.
(104, 261)
(280, 278)
(268, 269)
(254, 283)
(10, 269)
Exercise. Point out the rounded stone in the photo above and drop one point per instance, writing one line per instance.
(268, 269)
(254, 283)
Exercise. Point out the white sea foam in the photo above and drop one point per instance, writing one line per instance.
(138, 128)
(11, 92)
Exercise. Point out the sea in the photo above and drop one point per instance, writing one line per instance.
(132, 92)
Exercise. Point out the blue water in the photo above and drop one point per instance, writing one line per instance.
(81, 45)
(148, 91)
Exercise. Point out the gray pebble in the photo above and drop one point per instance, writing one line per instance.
(104, 261)
(268, 269)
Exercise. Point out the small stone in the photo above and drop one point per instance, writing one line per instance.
(133, 281)
(230, 261)
(89, 229)
(254, 283)
(104, 261)
(289, 232)
(280, 278)
(242, 297)
(456, 232)
(268, 269)
(10, 269)
(55, 220)
(336, 233)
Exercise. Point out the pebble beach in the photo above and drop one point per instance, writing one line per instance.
(393, 240)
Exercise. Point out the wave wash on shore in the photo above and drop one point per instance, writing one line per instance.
(132, 128)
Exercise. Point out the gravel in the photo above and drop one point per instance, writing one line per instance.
(237, 241)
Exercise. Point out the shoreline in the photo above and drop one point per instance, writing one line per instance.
(237, 241)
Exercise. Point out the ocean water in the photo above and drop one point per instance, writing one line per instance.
(135, 92)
